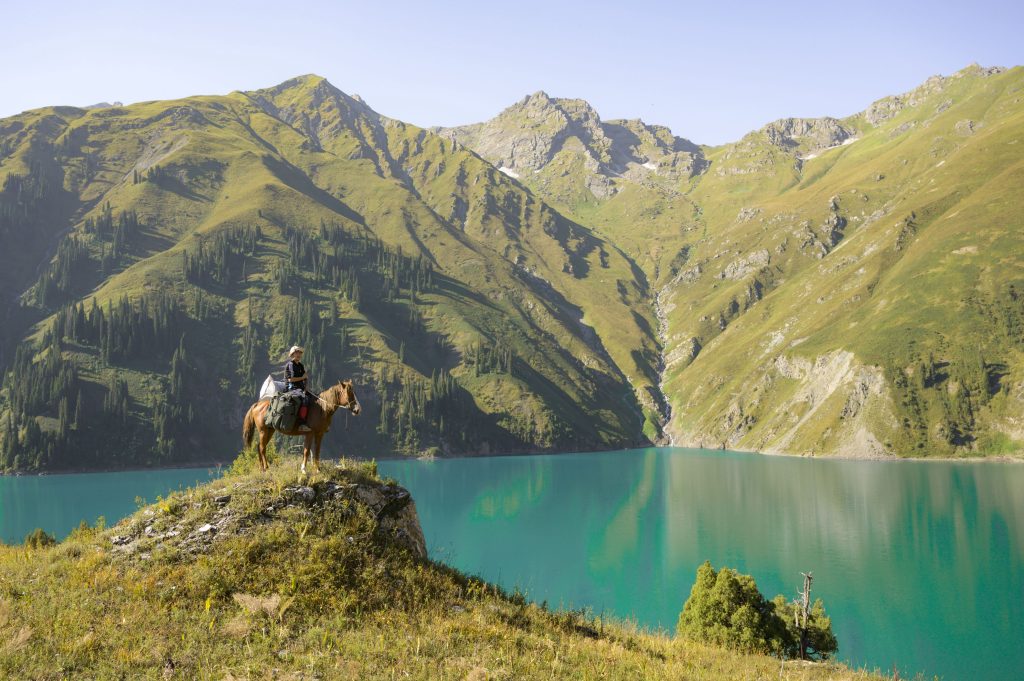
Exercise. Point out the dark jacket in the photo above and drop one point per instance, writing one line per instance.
(294, 369)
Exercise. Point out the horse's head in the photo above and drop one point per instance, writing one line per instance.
(348, 397)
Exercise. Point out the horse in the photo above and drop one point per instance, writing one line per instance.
(318, 419)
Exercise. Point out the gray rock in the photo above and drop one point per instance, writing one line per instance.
(304, 494)
(747, 214)
(809, 134)
(744, 266)
(404, 528)
(688, 276)
(965, 127)
(902, 128)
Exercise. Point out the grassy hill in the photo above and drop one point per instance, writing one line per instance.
(545, 280)
(254, 575)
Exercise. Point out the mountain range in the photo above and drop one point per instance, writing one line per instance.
(542, 281)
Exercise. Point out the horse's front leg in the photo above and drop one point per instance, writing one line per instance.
(305, 453)
(316, 453)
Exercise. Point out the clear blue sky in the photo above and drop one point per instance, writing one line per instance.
(711, 71)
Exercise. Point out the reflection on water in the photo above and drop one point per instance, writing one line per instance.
(510, 497)
(919, 563)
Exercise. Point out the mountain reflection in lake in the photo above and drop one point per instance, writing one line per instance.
(919, 564)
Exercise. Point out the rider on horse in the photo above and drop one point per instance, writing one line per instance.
(295, 375)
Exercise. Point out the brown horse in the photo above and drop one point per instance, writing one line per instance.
(340, 396)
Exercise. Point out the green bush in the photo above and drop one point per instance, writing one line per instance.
(38, 538)
(725, 608)
(85, 531)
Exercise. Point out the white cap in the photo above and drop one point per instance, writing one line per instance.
(294, 349)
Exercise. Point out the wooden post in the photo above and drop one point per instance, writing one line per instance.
(804, 612)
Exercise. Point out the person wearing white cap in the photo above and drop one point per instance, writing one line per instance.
(295, 375)
(294, 372)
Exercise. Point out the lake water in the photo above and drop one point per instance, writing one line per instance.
(919, 564)
(58, 503)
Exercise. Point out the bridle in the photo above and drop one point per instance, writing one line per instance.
(333, 406)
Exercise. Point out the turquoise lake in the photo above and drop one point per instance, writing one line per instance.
(58, 503)
(920, 565)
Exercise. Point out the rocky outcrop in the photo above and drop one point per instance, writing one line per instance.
(889, 107)
(168, 526)
(833, 374)
(807, 134)
(838, 407)
(741, 267)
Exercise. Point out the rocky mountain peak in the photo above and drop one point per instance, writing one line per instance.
(537, 99)
(537, 129)
(315, 107)
(309, 92)
(103, 105)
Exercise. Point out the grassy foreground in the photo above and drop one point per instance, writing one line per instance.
(273, 576)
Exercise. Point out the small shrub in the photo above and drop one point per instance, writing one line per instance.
(85, 531)
(248, 460)
(39, 538)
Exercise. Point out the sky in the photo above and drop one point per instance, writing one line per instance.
(711, 71)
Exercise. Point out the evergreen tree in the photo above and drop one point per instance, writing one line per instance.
(725, 608)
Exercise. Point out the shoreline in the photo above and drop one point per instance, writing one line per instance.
(999, 458)
(129, 469)
(996, 458)
(1016, 457)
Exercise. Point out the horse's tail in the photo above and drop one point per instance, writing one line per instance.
(249, 426)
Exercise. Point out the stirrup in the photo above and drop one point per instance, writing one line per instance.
(304, 429)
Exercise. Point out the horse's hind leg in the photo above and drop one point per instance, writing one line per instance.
(265, 436)
(316, 452)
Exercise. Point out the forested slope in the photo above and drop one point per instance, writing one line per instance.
(169, 252)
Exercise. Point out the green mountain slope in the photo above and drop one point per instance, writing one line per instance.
(830, 286)
(625, 178)
(545, 280)
(177, 248)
